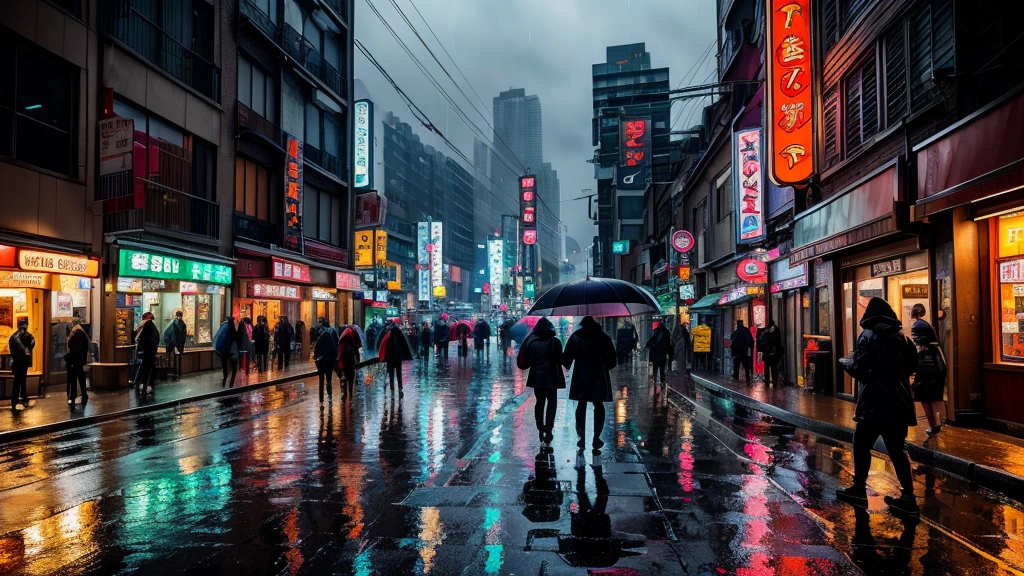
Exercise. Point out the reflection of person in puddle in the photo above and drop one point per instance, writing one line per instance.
(543, 493)
(866, 552)
(591, 520)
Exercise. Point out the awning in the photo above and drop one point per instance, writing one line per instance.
(707, 304)
(166, 248)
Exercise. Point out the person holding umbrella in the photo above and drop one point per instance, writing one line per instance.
(594, 354)
(541, 354)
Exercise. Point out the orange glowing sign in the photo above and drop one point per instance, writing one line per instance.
(790, 131)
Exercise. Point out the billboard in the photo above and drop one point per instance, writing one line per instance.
(748, 183)
(424, 285)
(789, 98)
(293, 195)
(495, 261)
(422, 239)
(364, 248)
(528, 202)
(380, 243)
(634, 153)
(436, 262)
(362, 145)
(371, 209)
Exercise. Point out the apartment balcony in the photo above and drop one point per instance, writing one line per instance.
(259, 231)
(125, 24)
(327, 162)
(291, 42)
(166, 209)
(250, 121)
(340, 8)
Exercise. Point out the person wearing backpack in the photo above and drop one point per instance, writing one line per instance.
(541, 354)
(882, 363)
(325, 354)
(930, 378)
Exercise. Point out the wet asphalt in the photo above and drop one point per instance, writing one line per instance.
(452, 479)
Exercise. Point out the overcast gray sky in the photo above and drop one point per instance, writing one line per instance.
(544, 46)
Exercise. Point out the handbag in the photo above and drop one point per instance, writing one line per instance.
(940, 358)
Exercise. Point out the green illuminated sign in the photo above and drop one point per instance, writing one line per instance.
(528, 290)
(135, 264)
(620, 247)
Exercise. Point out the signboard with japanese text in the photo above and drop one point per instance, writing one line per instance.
(274, 291)
(38, 261)
(528, 202)
(380, 242)
(748, 183)
(529, 236)
(634, 153)
(424, 286)
(24, 280)
(324, 294)
(285, 270)
(495, 259)
(788, 95)
(137, 264)
(293, 195)
(362, 146)
(436, 255)
(1011, 272)
(364, 248)
(346, 281)
(686, 293)
(422, 239)
(117, 138)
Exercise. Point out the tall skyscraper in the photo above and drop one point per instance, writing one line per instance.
(517, 139)
(627, 89)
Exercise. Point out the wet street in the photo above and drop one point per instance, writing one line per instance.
(451, 479)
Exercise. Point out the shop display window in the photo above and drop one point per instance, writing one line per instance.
(1009, 270)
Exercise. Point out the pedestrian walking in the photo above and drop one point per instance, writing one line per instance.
(225, 344)
(76, 358)
(741, 343)
(261, 342)
(930, 378)
(769, 344)
(426, 341)
(245, 350)
(594, 355)
(882, 363)
(413, 332)
(394, 349)
(325, 355)
(462, 334)
(147, 346)
(348, 357)
(481, 335)
(175, 342)
(541, 354)
(660, 351)
(283, 336)
(21, 345)
(441, 330)
(681, 338)
(505, 334)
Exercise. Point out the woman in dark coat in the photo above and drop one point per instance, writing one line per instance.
(541, 353)
(348, 356)
(394, 349)
(426, 341)
(660, 351)
(325, 355)
(261, 342)
(594, 354)
(930, 379)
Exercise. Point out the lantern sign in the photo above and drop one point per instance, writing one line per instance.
(682, 241)
(748, 183)
(789, 98)
(752, 271)
(293, 195)
(528, 202)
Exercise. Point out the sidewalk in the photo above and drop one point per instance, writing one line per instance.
(52, 413)
(990, 459)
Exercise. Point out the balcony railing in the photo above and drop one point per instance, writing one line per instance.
(168, 209)
(324, 160)
(250, 120)
(258, 231)
(118, 19)
(339, 8)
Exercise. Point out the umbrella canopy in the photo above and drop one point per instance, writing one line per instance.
(453, 329)
(522, 329)
(598, 297)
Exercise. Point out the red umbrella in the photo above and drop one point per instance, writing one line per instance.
(453, 329)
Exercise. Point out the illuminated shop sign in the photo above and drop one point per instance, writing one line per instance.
(37, 261)
(436, 249)
(495, 257)
(528, 202)
(748, 181)
(274, 291)
(362, 145)
(634, 153)
(790, 146)
(137, 264)
(285, 270)
(293, 195)
(620, 247)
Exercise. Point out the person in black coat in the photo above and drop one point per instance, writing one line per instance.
(261, 342)
(147, 345)
(395, 350)
(930, 379)
(594, 355)
(769, 344)
(441, 330)
(505, 335)
(21, 344)
(882, 363)
(541, 354)
(426, 341)
(325, 355)
(481, 336)
(283, 336)
(741, 343)
(660, 350)
(77, 357)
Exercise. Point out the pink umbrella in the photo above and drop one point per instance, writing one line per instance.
(452, 330)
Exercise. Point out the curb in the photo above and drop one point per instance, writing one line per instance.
(63, 425)
(998, 480)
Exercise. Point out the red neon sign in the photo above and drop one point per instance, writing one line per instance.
(529, 236)
(635, 144)
(527, 182)
(790, 130)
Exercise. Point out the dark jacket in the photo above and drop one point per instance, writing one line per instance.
(148, 340)
(180, 332)
(21, 345)
(226, 340)
(769, 342)
(927, 341)
(505, 332)
(261, 337)
(425, 338)
(326, 345)
(659, 345)
(742, 341)
(481, 332)
(396, 347)
(541, 353)
(594, 354)
(882, 364)
(283, 334)
(78, 347)
(441, 332)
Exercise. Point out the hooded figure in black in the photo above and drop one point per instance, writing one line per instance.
(660, 350)
(769, 344)
(882, 364)
(594, 354)
(541, 353)
(741, 343)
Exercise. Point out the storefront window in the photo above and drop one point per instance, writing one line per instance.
(201, 306)
(1011, 308)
